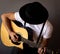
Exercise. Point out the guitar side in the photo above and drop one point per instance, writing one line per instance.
(5, 36)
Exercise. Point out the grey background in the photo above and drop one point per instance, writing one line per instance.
(54, 17)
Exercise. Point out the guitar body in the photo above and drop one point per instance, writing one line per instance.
(5, 36)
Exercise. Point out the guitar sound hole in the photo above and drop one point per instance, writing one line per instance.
(19, 39)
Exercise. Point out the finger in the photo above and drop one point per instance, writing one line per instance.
(15, 36)
(40, 51)
(13, 39)
(45, 50)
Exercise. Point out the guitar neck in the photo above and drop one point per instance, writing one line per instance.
(30, 43)
(34, 45)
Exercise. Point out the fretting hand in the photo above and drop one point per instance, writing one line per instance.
(42, 50)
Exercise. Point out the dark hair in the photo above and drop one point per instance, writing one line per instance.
(33, 13)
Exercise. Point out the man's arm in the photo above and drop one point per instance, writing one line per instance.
(46, 37)
(43, 45)
(6, 19)
(44, 42)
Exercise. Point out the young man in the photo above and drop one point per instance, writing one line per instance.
(34, 14)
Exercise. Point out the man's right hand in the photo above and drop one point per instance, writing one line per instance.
(13, 36)
(6, 17)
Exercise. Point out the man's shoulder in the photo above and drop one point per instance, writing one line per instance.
(49, 24)
(16, 12)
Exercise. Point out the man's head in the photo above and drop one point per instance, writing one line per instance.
(33, 13)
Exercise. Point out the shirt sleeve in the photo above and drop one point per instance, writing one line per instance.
(48, 30)
(18, 18)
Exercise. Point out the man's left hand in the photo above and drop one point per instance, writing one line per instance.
(41, 50)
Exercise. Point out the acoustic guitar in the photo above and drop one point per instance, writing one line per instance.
(24, 34)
